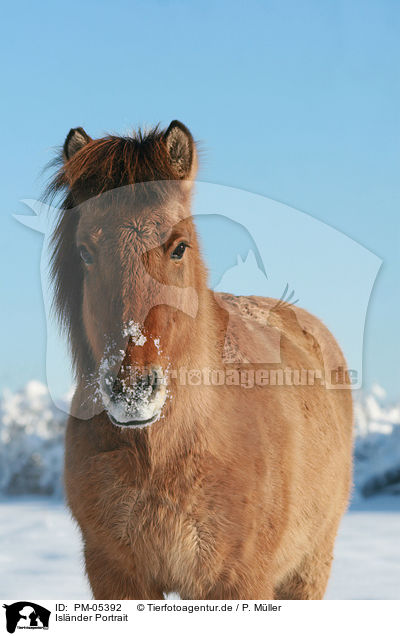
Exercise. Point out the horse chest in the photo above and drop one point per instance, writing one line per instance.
(166, 536)
(164, 528)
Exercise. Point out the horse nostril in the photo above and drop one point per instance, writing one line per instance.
(153, 379)
(117, 387)
(147, 383)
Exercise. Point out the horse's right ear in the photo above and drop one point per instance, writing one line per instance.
(76, 139)
(181, 149)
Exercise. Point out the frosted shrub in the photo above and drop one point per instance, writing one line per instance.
(377, 445)
(31, 442)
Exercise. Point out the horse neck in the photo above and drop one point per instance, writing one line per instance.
(190, 426)
(205, 331)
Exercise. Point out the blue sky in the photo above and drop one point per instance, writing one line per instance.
(298, 102)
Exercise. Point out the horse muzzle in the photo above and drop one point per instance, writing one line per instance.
(135, 398)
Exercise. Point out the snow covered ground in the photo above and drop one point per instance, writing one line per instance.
(367, 553)
(40, 552)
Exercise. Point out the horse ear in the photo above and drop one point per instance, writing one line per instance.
(181, 149)
(75, 140)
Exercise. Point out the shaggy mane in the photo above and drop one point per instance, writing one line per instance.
(112, 162)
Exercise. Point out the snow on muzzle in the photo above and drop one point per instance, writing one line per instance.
(135, 397)
(132, 394)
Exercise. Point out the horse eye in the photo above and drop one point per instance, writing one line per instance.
(179, 251)
(85, 255)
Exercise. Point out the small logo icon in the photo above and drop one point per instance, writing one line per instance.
(26, 615)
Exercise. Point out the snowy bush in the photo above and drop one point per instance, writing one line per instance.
(377, 445)
(32, 440)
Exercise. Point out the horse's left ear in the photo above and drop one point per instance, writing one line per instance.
(181, 149)
(75, 140)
